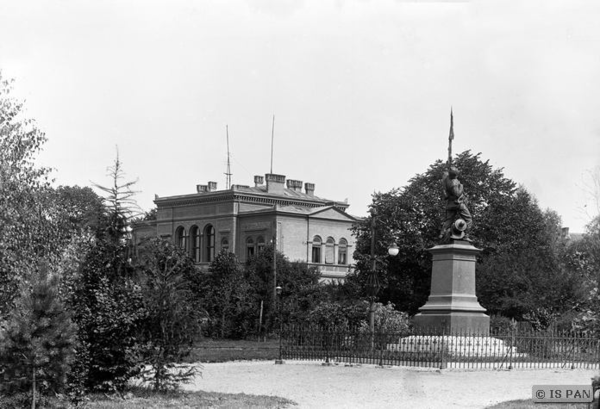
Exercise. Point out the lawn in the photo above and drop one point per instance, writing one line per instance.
(140, 398)
(206, 350)
(145, 399)
(528, 404)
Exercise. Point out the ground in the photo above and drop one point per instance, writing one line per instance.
(312, 385)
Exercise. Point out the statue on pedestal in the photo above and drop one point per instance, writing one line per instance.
(458, 218)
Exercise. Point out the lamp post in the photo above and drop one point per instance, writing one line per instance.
(373, 279)
(279, 360)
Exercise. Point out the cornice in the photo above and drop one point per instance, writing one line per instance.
(244, 197)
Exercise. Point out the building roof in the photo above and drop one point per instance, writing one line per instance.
(277, 194)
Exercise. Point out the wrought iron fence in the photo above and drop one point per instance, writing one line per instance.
(496, 350)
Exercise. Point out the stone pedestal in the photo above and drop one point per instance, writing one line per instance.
(452, 306)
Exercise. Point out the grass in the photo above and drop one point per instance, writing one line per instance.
(142, 398)
(147, 399)
(528, 404)
(204, 351)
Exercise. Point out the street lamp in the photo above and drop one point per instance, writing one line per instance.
(373, 279)
(278, 291)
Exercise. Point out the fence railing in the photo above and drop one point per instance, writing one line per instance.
(496, 350)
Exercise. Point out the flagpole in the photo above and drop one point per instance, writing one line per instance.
(450, 138)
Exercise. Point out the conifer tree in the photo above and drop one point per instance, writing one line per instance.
(36, 348)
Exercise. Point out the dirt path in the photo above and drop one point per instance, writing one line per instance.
(312, 385)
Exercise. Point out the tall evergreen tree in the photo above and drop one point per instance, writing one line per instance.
(107, 299)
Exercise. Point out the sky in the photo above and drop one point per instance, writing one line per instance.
(361, 91)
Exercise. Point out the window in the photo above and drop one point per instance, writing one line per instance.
(343, 251)
(225, 244)
(181, 238)
(195, 248)
(249, 247)
(260, 244)
(316, 250)
(329, 250)
(209, 236)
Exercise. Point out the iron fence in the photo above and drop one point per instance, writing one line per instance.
(436, 349)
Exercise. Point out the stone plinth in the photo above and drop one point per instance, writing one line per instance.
(452, 305)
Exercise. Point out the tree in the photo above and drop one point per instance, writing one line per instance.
(300, 288)
(36, 349)
(227, 297)
(107, 299)
(173, 320)
(519, 242)
(27, 230)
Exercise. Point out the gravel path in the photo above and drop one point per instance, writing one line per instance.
(312, 385)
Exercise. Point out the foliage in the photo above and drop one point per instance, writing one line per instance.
(36, 348)
(520, 274)
(583, 257)
(82, 210)
(108, 305)
(107, 300)
(172, 321)
(522, 277)
(26, 229)
(227, 298)
(330, 315)
(412, 217)
(388, 320)
(300, 287)
(120, 202)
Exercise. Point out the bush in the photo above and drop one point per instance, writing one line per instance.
(108, 308)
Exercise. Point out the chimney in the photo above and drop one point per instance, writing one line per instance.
(201, 188)
(275, 183)
(212, 186)
(310, 188)
(259, 181)
(295, 185)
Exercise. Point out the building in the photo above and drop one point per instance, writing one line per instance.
(245, 219)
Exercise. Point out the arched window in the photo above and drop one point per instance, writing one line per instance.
(209, 240)
(195, 247)
(181, 238)
(343, 251)
(329, 250)
(249, 247)
(316, 250)
(225, 244)
(260, 244)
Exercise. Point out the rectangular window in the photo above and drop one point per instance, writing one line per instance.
(329, 254)
(316, 254)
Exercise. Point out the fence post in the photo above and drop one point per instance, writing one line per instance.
(512, 347)
(442, 361)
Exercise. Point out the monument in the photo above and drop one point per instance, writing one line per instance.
(452, 306)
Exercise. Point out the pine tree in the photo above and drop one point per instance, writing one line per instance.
(37, 346)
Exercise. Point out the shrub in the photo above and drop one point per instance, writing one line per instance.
(108, 308)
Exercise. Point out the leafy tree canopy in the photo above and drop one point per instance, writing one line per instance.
(520, 242)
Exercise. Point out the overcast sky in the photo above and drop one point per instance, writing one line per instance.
(361, 91)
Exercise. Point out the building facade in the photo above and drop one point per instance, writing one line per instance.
(245, 219)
